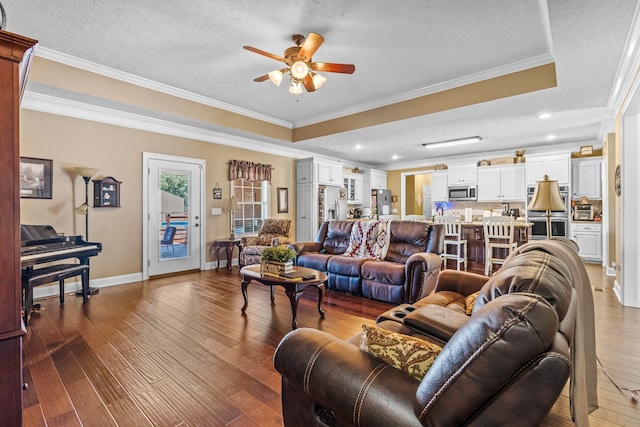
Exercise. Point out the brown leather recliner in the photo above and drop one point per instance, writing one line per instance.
(407, 273)
(505, 364)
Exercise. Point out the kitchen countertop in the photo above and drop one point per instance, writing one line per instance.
(517, 224)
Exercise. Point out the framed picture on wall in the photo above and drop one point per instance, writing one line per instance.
(283, 200)
(35, 178)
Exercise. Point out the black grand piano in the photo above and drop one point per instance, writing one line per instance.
(40, 244)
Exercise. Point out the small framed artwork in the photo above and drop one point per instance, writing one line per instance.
(35, 178)
(283, 200)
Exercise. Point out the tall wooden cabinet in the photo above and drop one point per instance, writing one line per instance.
(12, 79)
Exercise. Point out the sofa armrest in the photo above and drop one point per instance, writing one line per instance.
(421, 275)
(319, 369)
(300, 247)
(461, 282)
(436, 321)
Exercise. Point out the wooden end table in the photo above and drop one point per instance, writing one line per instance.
(292, 287)
(228, 245)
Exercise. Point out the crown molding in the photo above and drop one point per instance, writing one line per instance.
(626, 77)
(102, 70)
(79, 110)
(515, 67)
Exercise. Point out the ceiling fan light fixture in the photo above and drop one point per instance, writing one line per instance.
(295, 88)
(319, 80)
(453, 142)
(299, 70)
(275, 77)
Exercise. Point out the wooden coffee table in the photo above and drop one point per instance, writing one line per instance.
(293, 288)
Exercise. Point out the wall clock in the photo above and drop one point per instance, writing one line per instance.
(617, 181)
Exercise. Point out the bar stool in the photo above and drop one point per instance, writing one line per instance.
(453, 237)
(498, 234)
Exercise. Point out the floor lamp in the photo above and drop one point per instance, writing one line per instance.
(83, 209)
(232, 207)
(546, 197)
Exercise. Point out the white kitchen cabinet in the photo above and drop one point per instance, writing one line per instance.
(586, 178)
(353, 183)
(501, 183)
(377, 179)
(306, 212)
(439, 186)
(330, 173)
(556, 167)
(304, 171)
(588, 236)
(463, 174)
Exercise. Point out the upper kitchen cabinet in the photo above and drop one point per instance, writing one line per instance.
(304, 171)
(586, 178)
(556, 167)
(501, 183)
(463, 175)
(353, 183)
(330, 173)
(439, 186)
(376, 179)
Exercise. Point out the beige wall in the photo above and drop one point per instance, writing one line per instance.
(117, 152)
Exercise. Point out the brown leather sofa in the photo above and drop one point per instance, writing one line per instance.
(530, 329)
(406, 273)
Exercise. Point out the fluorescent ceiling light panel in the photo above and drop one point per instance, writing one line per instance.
(452, 142)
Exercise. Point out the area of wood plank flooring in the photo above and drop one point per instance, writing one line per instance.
(176, 351)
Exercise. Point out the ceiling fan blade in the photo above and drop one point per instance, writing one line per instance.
(310, 45)
(308, 83)
(262, 52)
(261, 78)
(333, 68)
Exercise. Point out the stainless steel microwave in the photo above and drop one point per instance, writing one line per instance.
(463, 192)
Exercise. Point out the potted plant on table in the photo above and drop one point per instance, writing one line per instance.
(277, 259)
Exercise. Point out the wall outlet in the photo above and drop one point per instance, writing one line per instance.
(394, 210)
(216, 211)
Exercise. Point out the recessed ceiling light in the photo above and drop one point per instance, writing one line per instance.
(551, 137)
(358, 146)
(395, 157)
(544, 115)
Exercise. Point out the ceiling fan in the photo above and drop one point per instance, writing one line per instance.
(302, 70)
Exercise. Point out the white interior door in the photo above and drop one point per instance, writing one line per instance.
(174, 235)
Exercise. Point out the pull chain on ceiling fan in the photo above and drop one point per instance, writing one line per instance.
(303, 72)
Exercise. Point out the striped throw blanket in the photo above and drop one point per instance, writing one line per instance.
(369, 239)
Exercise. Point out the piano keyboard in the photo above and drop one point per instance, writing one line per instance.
(48, 250)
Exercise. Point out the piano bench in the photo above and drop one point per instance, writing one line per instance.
(54, 273)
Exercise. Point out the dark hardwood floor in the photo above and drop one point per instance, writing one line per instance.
(177, 352)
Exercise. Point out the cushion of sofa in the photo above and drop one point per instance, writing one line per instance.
(407, 238)
(535, 272)
(345, 266)
(314, 260)
(383, 272)
(337, 238)
(406, 353)
(277, 227)
(470, 301)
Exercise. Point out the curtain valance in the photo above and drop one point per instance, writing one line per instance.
(249, 171)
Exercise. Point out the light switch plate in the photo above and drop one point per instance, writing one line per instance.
(216, 211)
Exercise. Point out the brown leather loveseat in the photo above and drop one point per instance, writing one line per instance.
(407, 272)
(529, 330)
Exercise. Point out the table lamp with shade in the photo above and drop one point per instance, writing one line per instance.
(232, 206)
(546, 197)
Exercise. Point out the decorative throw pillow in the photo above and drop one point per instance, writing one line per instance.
(406, 353)
(470, 301)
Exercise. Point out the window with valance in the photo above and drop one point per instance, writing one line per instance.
(250, 186)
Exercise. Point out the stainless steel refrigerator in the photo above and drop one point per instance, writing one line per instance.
(381, 201)
(332, 204)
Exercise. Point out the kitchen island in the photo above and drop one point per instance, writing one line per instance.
(474, 233)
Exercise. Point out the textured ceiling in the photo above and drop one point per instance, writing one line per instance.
(401, 50)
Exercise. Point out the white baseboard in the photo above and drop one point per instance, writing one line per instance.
(73, 286)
